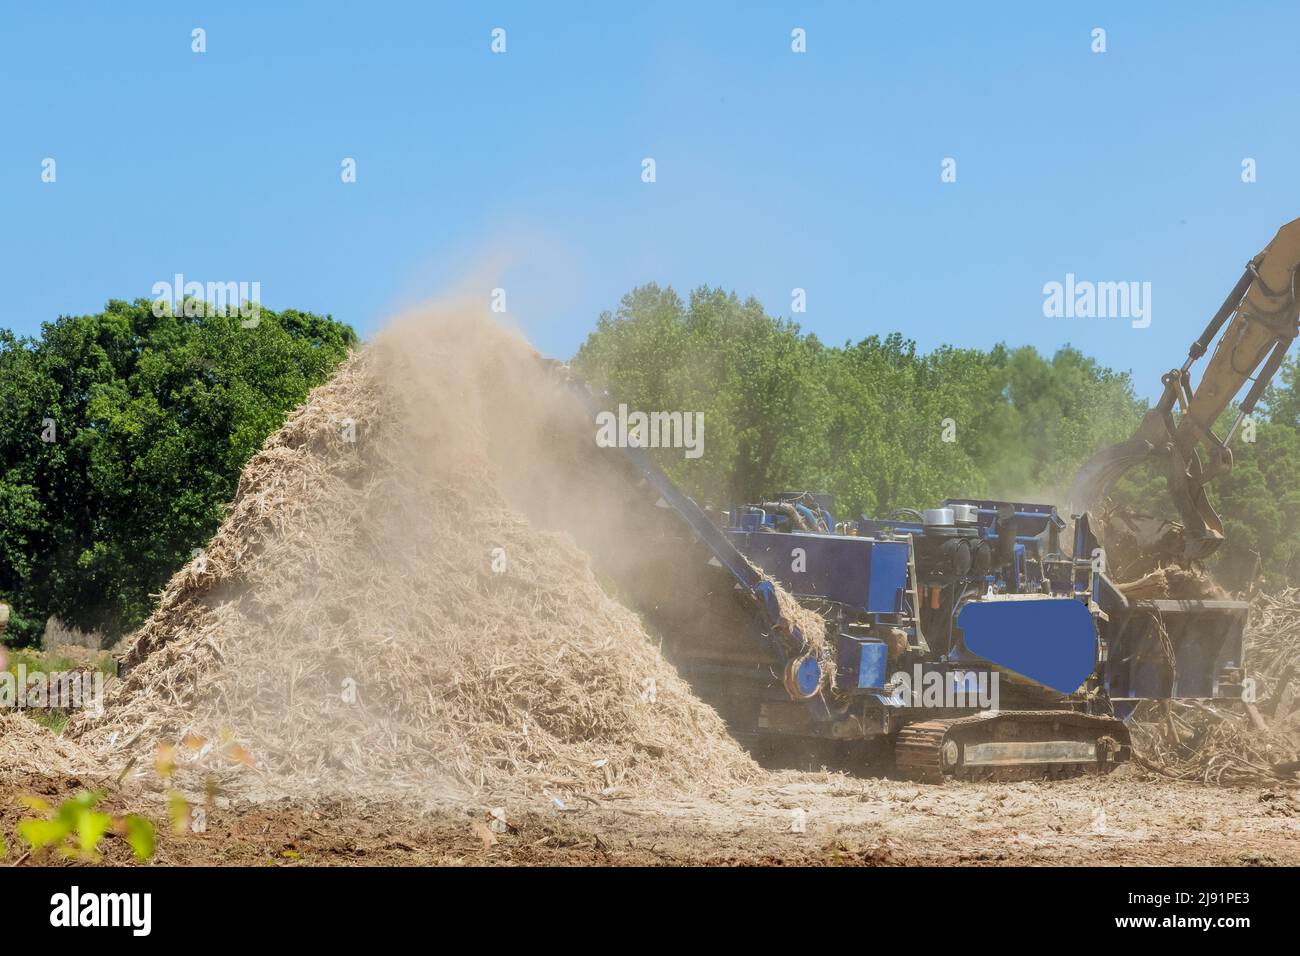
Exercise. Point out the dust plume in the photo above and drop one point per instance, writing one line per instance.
(396, 604)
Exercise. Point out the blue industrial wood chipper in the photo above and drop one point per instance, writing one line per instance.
(976, 638)
(966, 641)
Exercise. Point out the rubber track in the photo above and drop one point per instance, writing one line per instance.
(917, 749)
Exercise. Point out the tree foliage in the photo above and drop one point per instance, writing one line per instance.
(882, 425)
(122, 435)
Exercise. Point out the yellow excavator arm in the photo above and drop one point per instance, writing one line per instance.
(1258, 321)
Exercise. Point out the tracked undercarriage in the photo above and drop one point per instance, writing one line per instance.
(1011, 745)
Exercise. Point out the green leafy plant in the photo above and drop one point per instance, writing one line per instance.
(74, 829)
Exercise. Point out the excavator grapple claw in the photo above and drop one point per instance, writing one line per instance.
(1254, 326)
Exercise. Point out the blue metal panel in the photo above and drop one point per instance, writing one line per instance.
(860, 663)
(873, 657)
(1051, 641)
(888, 576)
(858, 572)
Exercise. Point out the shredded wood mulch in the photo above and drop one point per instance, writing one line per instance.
(373, 617)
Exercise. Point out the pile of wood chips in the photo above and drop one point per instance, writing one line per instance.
(374, 617)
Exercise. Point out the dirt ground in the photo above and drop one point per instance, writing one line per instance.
(1126, 819)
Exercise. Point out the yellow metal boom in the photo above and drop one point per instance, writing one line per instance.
(1258, 322)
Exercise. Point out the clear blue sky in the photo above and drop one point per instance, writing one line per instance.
(775, 170)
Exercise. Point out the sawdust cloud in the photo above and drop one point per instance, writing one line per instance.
(396, 603)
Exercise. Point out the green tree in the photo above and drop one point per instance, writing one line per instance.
(757, 381)
(875, 422)
(122, 435)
